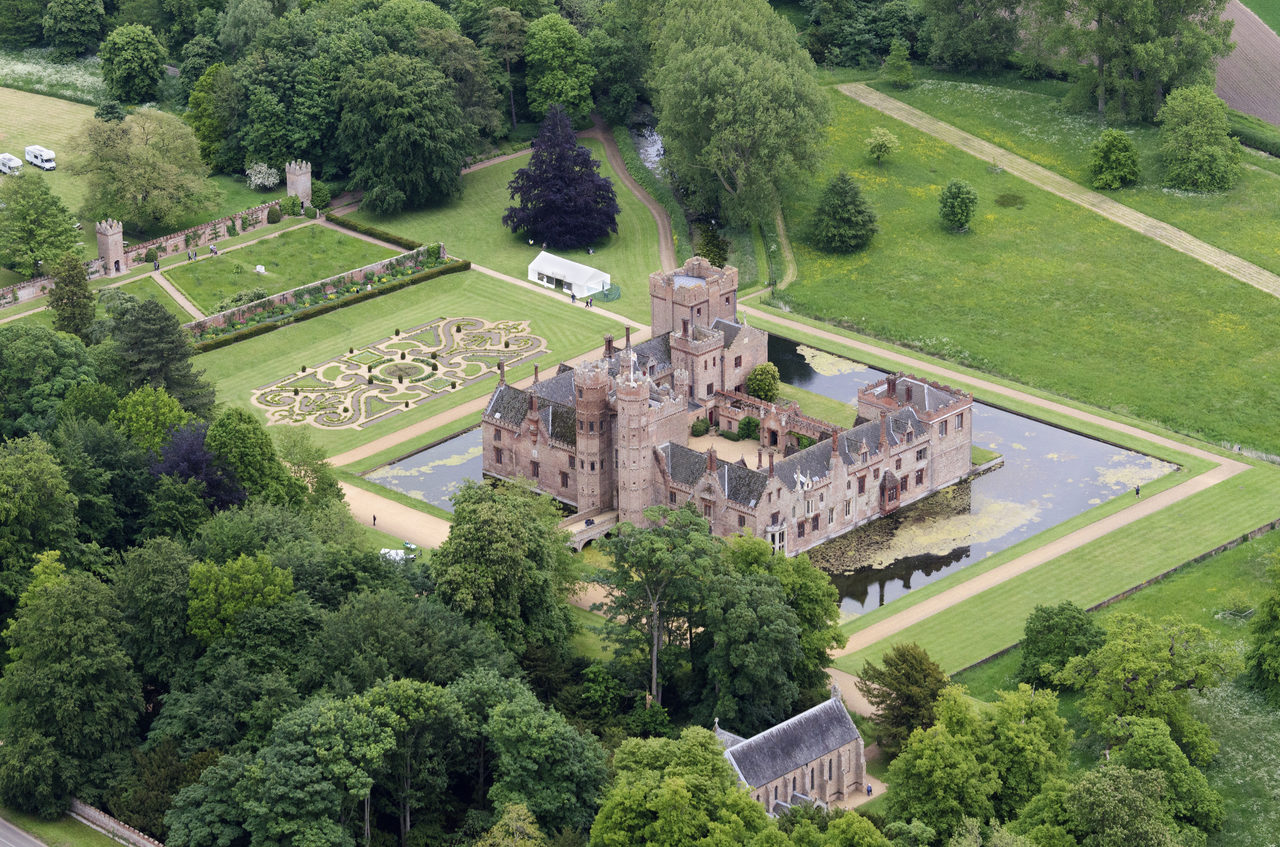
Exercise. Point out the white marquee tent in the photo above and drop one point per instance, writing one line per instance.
(557, 272)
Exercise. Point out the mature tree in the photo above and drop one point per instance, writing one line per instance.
(1113, 160)
(109, 475)
(810, 595)
(938, 780)
(471, 73)
(72, 302)
(504, 38)
(739, 111)
(882, 144)
(764, 381)
(559, 67)
(92, 400)
(1051, 636)
(146, 793)
(244, 21)
(69, 690)
(563, 200)
(149, 416)
(244, 447)
(970, 34)
(38, 367)
(1195, 141)
(73, 27)
(915, 833)
(402, 132)
(1262, 661)
(620, 56)
(516, 827)
(1114, 806)
(156, 351)
(1145, 669)
(307, 462)
(897, 65)
(746, 652)
(185, 456)
(34, 224)
(1189, 798)
(205, 813)
(674, 792)
(903, 692)
(1026, 742)
(650, 573)
(151, 592)
(198, 55)
(110, 112)
(956, 204)
(145, 170)
(1133, 53)
(544, 763)
(218, 594)
(214, 111)
(176, 508)
(843, 222)
(20, 23)
(132, 63)
(505, 565)
(37, 512)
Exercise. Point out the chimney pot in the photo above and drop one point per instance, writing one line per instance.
(535, 373)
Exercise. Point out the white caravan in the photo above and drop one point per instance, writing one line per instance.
(41, 157)
(9, 164)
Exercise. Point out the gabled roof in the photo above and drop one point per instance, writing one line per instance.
(794, 743)
(557, 389)
(508, 405)
(741, 484)
(686, 466)
(808, 464)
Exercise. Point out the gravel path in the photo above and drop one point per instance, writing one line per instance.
(1170, 236)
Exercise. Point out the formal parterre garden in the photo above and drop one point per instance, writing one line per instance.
(1040, 290)
(366, 385)
(471, 226)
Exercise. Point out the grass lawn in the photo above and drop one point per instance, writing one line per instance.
(1036, 126)
(64, 832)
(1050, 295)
(587, 641)
(978, 627)
(292, 258)
(471, 227)
(143, 289)
(1268, 10)
(36, 119)
(239, 368)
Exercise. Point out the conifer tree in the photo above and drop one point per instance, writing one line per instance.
(897, 68)
(843, 221)
(71, 300)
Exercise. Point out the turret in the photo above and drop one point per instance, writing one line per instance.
(297, 176)
(591, 383)
(635, 463)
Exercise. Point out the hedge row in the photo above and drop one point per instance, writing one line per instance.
(374, 232)
(1254, 132)
(329, 306)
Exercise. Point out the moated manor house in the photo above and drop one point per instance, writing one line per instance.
(612, 437)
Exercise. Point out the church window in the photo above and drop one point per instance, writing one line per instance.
(942, 428)
(593, 466)
(919, 477)
(579, 426)
(768, 497)
(497, 455)
(737, 360)
(775, 792)
(579, 393)
(497, 435)
(921, 453)
(812, 780)
(706, 365)
(828, 770)
(897, 464)
(773, 519)
(821, 496)
(793, 785)
(742, 521)
(862, 484)
(959, 421)
(564, 479)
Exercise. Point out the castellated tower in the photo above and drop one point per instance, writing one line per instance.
(111, 246)
(697, 294)
(635, 459)
(595, 436)
(297, 177)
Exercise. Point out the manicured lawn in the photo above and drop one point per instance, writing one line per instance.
(64, 832)
(1050, 295)
(824, 408)
(1241, 221)
(291, 259)
(975, 628)
(143, 289)
(471, 227)
(1268, 10)
(239, 368)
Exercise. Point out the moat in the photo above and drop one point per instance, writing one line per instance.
(1049, 475)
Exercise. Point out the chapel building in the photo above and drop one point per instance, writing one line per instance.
(611, 437)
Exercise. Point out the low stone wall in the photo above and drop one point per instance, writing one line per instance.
(199, 236)
(118, 830)
(325, 286)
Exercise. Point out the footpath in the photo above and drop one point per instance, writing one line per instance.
(1170, 236)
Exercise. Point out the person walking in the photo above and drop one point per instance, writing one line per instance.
(375, 520)
(868, 789)
(1137, 491)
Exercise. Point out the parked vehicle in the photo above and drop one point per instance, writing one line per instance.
(9, 163)
(41, 157)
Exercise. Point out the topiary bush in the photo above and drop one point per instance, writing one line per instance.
(764, 382)
(273, 215)
(1113, 160)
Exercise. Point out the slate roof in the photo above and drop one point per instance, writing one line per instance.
(729, 328)
(810, 463)
(686, 466)
(557, 389)
(508, 404)
(923, 394)
(726, 738)
(741, 484)
(792, 744)
(656, 351)
(561, 422)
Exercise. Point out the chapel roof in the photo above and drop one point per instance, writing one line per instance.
(792, 744)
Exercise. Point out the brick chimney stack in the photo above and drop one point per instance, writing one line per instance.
(770, 464)
(711, 460)
(608, 346)
(759, 458)
(502, 372)
(892, 383)
(535, 373)
(628, 337)
(884, 430)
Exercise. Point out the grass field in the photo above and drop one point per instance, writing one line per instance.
(1049, 294)
(291, 259)
(143, 289)
(64, 832)
(1036, 126)
(1268, 10)
(1247, 770)
(471, 227)
(239, 368)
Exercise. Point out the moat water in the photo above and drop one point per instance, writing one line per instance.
(1049, 475)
